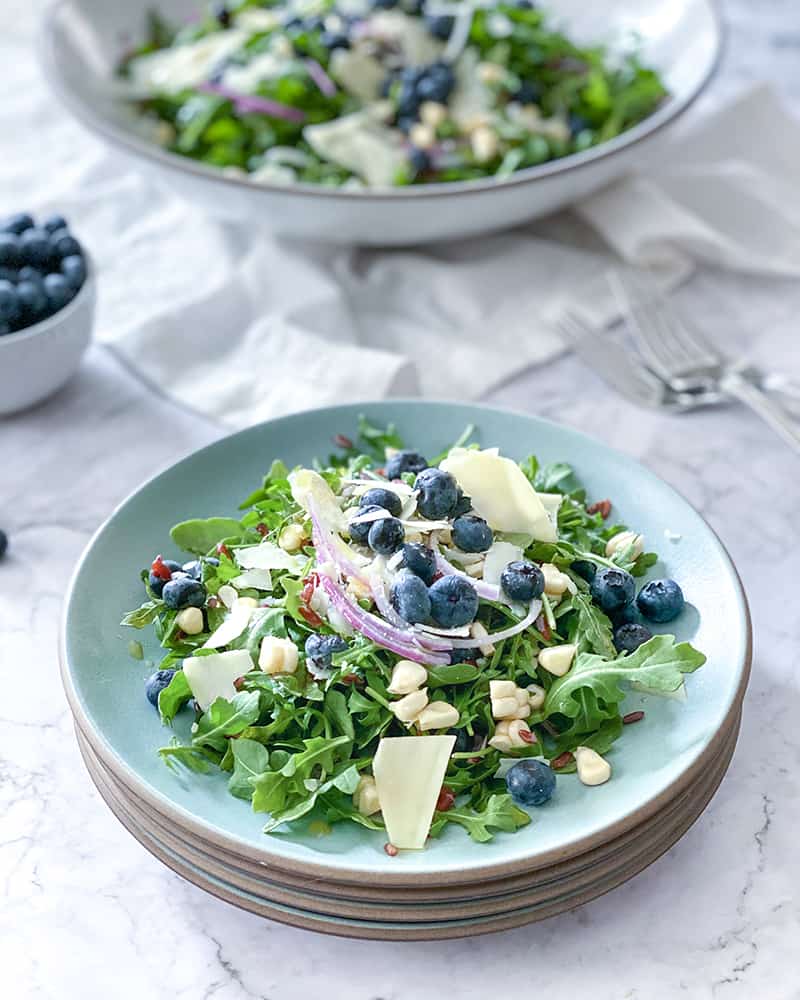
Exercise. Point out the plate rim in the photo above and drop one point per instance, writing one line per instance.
(409, 876)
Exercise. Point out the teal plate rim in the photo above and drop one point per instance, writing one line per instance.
(676, 761)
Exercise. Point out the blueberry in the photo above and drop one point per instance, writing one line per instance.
(9, 274)
(419, 160)
(386, 86)
(440, 26)
(405, 461)
(384, 4)
(334, 40)
(385, 536)
(10, 252)
(9, 303)
(522, 580)
(359, 532)
(53, 223)
(625, 616)
(3, 543)
(527, 93)
(464, 655)
(628, 638)
(64, 244)
(408, 101)
(585, 569)
(531, 782)
(74, 270)
(379, 497)
(405, 123)
(183, 592)
(5, 328)
(463, 504)
(660, 600)
(58, 291)
(419, 560)
(438, 493)
(35, 247)
(28, 273)
(16, 223)
(32, 300)
(320, 648)
(437, 84)
(612, 589)
(156, 683)
(471, 533)
(454, 601)
(409, 597)
(156, 583)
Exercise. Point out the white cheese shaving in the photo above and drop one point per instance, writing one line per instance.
(268, 555)
(183, 66)
(233, 626)
(257, 579)
(358, 72)
(470, 98)
(358, 143)
(245, 79)
(211, 677)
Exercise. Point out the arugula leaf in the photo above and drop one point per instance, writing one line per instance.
(659, 664)
(345, 780)
(199, 759)
(337, 711)
(226, 718)
(276, 791)
(173, 697)
(592, 630)
(601, 740)
(145, 614)
(250, 760)
(339, 806)
(500, 813)
(200, 535)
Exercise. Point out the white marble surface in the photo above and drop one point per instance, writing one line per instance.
(86, 913)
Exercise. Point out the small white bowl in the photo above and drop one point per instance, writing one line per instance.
(36, 361)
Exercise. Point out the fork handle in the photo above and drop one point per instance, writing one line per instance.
(770, 411)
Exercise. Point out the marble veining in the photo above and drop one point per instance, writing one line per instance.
(86, 912)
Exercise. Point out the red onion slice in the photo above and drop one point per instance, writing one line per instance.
(253, 102)
(324, 83)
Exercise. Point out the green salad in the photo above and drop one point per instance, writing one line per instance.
(378, 93)
(406, 642)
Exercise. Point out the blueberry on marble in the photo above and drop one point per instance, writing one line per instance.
(629, 637)
(660, 600)
(405, 461)
(531, 782)
(522, 580)
(612, 589)
(454, 601)
(409, 598)
(438, 493)
(419, 560)
(156, 683)
(183, 592)
(471, 533)
(380, 497)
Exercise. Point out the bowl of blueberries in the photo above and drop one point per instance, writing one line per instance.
(47, 299)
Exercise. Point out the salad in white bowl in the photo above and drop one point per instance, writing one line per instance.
(406, 641)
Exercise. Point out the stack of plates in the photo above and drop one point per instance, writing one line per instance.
(583, 843)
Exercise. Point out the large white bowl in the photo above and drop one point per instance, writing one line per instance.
(82, 41)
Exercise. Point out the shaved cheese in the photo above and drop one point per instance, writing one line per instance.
(268, 555)
(183, 67)
(211, 677)
(498, 556)
(258, 579)
(245, 79)
(359, 143)
(470, 98)
(500, 493)
(409, 772)
(360, 487)
(233, 626)
(410, 34)
(307, 485)
(253, 19)
(358, 72)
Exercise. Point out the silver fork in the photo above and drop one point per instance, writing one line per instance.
(626, 371)
(689, 363)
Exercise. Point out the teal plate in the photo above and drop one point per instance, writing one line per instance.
(653, 762)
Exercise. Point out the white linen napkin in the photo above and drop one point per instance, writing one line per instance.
(241, 327)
